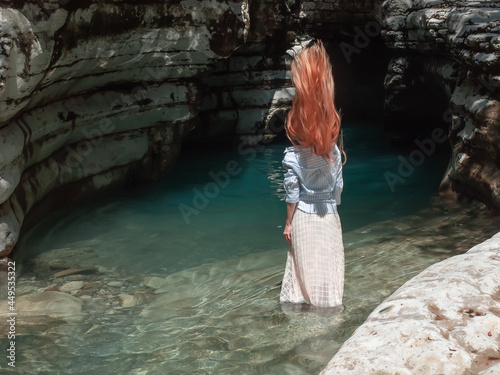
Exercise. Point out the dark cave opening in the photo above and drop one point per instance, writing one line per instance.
(359, 77)
(406, 116)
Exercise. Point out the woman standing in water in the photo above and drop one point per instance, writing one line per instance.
(313, 183)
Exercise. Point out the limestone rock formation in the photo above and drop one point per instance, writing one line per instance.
(100, 94)
(446, 320)
(447, 62)
(443, 72)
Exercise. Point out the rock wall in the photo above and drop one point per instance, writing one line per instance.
(443, 71)
(102, 94)
(96, 95)
(447, 62)
(446, 320)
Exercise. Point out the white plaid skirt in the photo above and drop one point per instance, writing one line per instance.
(314, 272)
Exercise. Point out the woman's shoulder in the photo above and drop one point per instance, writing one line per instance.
(292, 152)
(294, 156)
(294, 148)
(290, 155)
(304, 157)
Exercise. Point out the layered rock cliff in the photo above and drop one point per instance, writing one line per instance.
(447, 63)
(101, 94)
(442, 72)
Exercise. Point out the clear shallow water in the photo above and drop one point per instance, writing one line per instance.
(213, 306)
(146, 230)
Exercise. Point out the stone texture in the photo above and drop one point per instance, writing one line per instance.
(443, 72)
(128, 300)
(72, 286)
(447, 59)
(154, 282)
(444, 320)
(101, 94)
(53, 304)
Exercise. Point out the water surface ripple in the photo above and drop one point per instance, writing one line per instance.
(158, 295)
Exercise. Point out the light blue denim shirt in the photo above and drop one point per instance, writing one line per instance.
(312, 181)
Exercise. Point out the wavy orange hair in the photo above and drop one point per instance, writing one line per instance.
(313, 120)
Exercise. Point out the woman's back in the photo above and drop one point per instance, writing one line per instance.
(318, 180)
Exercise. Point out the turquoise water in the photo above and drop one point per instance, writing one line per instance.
(145, 228)
(159, 280)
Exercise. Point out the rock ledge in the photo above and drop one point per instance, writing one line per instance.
(446, 320)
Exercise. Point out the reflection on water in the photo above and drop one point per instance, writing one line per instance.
(134, 289)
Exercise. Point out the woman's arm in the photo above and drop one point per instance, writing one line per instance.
(339, 184)
(292, 189)
(290, 210)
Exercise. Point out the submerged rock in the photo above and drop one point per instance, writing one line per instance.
(153, 282)
(128, 300)
(229, 312)
(72, 286)
(115, 284)
(52, 304)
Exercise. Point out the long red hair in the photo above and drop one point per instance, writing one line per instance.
(313, 120)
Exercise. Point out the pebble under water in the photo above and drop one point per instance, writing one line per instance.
(183, 277)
